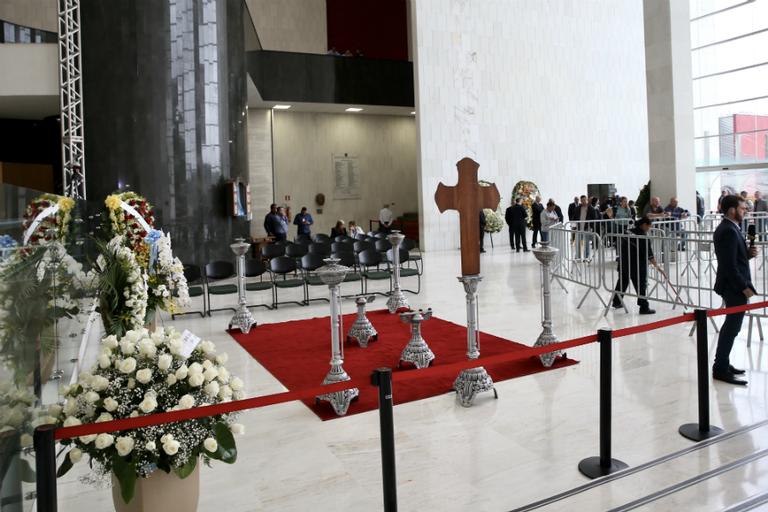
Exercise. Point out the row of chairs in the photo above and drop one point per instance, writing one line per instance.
(285, 271)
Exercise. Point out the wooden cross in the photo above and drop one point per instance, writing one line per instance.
(468, 197)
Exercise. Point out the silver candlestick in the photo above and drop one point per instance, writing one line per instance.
(546, 255)
(472, 381)
(417, 351)
(362, 330)
(333, 275)
(243, 318)
(397, 299)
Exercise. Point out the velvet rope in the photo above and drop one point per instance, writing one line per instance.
(637, 329)
(737, 309)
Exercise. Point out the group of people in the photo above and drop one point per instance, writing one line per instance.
(276, 223)
(542, 217)
(758, 205)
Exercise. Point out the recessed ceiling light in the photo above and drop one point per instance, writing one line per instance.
(354, 109)
(281, 107)
(413, 113)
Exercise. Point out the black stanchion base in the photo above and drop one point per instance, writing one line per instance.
(591, 467)
(691, 431)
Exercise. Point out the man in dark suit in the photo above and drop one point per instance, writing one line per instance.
(635, 253)
(536, 209)
(573, 209)
(558, 212)
(733, 282)
(516, 217)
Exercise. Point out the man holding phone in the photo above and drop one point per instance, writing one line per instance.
(733, 282)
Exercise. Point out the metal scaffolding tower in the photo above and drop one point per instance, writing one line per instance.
(71, 98)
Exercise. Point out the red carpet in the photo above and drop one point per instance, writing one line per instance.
(297, 354)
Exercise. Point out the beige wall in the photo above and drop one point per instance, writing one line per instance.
(304, 145)
(260, 167)
(30, 13)
(290, 25)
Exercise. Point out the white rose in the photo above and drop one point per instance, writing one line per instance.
(127, 347)
(70, 407)
(238, 395)
(207, 364)
(186, 402)
(210, 444)
(75, 454)
(158, 337)
(150, 446)
(196, 380)
(222, 358)
(164, 362)
(110, 342)
(237, 428)
(54, 410)
(212, 389)
(207, 347)
(105, 416)
(110, 404)
(92, 397)
(104, 361)
(175, 346)
(124, 445)
(171, 447)
(104, 441)
(182, 372)
(85, 379)
(99, 383)
(210, 374)
(25, 440)
(134, 414)
(236, 384)
(147, 348)
(127, 365)
(144, 375)
(87, 439)
(133, 336)
(148, 405)
(166, 437)
(224, 375)
(170, 380)
(225, 393)
(195, 368)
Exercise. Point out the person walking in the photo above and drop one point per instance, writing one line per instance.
(516, 217)
(635, 253)
(303, 220)
(573, 209)
(733, 283)
(536, 209)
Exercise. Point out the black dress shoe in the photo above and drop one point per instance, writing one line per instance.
(526, 250)
(736, 371)
(647, 311)
(729, 378)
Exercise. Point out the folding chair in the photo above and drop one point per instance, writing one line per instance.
(368, 259)
(196, 285)
(309, 264)
(282, 266)
(219, 271)
(256, 268)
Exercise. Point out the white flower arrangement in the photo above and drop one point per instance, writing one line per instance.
(123, 291)
(137, 384)
(167, 284)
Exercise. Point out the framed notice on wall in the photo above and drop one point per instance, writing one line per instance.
(346, 175)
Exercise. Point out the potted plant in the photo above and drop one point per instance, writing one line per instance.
(143, 373)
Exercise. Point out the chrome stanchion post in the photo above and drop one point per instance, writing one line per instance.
(243, 319)
(333, 275)
(44, 443)
(546, 254)
(472, 381)
(382, 377)
(397, 298)
(701, 430)
(594, 467)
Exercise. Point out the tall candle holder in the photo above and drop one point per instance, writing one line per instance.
(363, 330)
(243, 319)
(333, 275)
(417, 351)
(397, 298)
(546, 254)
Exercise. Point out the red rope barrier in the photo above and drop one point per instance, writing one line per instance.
(449, 369)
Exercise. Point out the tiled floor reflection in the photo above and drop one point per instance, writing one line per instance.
(499, 454)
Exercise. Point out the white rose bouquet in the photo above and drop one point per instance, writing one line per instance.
(143, 373)
(168, 289)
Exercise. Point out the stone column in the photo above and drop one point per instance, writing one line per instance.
(670, 101)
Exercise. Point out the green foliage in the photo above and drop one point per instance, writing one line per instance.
(125, 472)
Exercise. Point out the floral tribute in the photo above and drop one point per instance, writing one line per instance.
(120, 223)
(527, 191)
(144, 373)
(494, 220)
(53, 227)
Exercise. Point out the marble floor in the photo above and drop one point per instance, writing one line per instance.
(498, 454)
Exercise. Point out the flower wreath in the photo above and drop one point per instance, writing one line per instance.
(527, 191)
(121, 223)
(52, 227)
(494, 220)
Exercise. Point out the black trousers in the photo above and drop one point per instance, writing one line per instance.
(482, 239)
(517, 238)
(639, 281)
(728, 332)
(536, 231)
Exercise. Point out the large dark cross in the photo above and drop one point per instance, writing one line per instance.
(468, 197)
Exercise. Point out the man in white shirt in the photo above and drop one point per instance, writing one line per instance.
(385, 219)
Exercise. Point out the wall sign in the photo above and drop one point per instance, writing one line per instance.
(346, 170)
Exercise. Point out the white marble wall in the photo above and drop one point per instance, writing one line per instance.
(551, 91)
(304, 145)
(290, 25)
(40, 14)
(260, 167)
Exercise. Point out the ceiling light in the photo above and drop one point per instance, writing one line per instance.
(413, 113)
(354, 109)
(281, 107)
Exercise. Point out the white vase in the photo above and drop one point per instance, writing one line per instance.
(161, 492)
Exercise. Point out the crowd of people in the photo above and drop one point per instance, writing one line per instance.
(277, 222)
